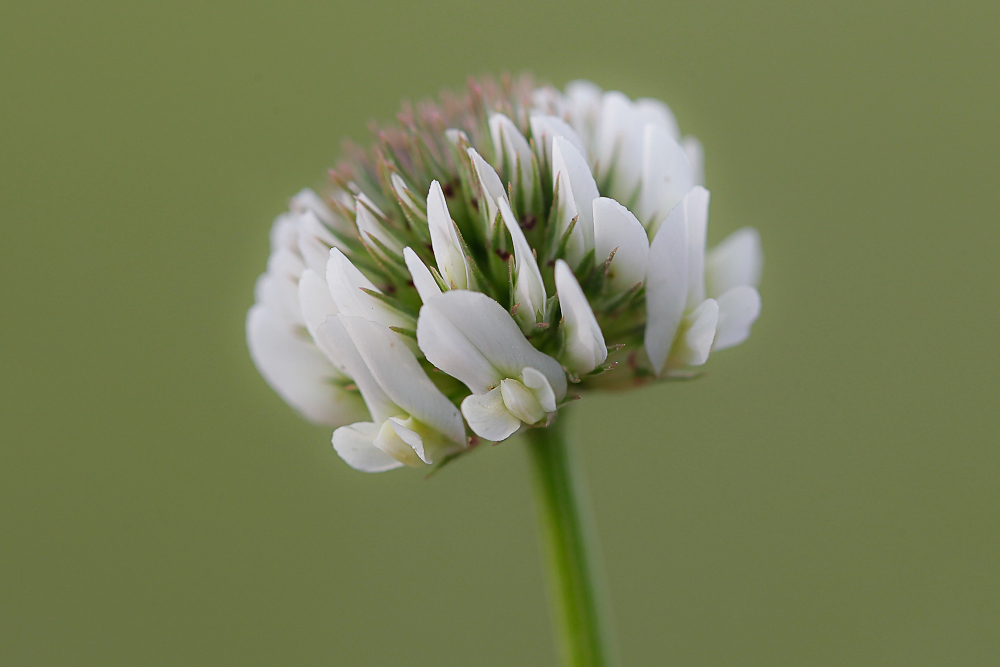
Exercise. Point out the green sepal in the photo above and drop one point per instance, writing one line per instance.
(403, 331)
(510, 283)
(391, 301)
(389, 262)
(564, 240)
(438, 278)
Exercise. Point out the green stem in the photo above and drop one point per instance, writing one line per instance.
(571, 555)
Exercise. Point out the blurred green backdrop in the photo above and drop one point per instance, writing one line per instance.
(829, 495)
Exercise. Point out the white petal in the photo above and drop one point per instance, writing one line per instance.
(619, 145)
(666, 177)
(412, 438)
(695, 206)
(534, 380)
(315, 242)
(285, 232)
(488, 417)
(286, 263)
(421, 275)
(354, 444)
(473, 338)
(370, 225)
(280, 293)
(584, 342)
(738, 260)
(666, 288)
(491, 185)
(698, 333)
(400, 443)
(547, 99)
(447, 347)
(521, 401)
(456, 136)
(544, 129)
(334, 339)
(346, 199)
(583, 108)
(529, 289)
(657, 113)
(445, 242)
(298, 371)
(428, 443)
(400, 376)
(616, 227)
(367, 201)
(513, 151)
(307, 200)
(577, 192)
(738, 310)
(315, 301)
(406, 197)
(347, 283)
(696, 158)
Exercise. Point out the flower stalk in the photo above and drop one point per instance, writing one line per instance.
(575, 579)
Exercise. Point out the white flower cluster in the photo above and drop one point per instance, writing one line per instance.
(482, 258)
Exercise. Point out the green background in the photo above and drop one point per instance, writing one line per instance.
(828, 495)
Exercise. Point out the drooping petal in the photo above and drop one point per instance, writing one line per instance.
(577, 192)
(298, 371)
(279, 292)
(447, 247)
(488, 417)
(491, 185)
(584, 347)
(400, 376)
(616, 227)
(666, 288)
(513, 153)
(421, 275)
(739, 308)
(347, 285)
(544, 129)
(315, 301)
(285, 232)
(666, 177)
(473, 338)
(696, 336)
(529, 289)
(286, 263)
(736, 261)
(332, 336)
(355, 444)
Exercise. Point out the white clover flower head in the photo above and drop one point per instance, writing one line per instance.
(490, 258)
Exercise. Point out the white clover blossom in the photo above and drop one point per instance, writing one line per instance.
(487, 260)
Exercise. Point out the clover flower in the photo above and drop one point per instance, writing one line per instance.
(490, 258)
